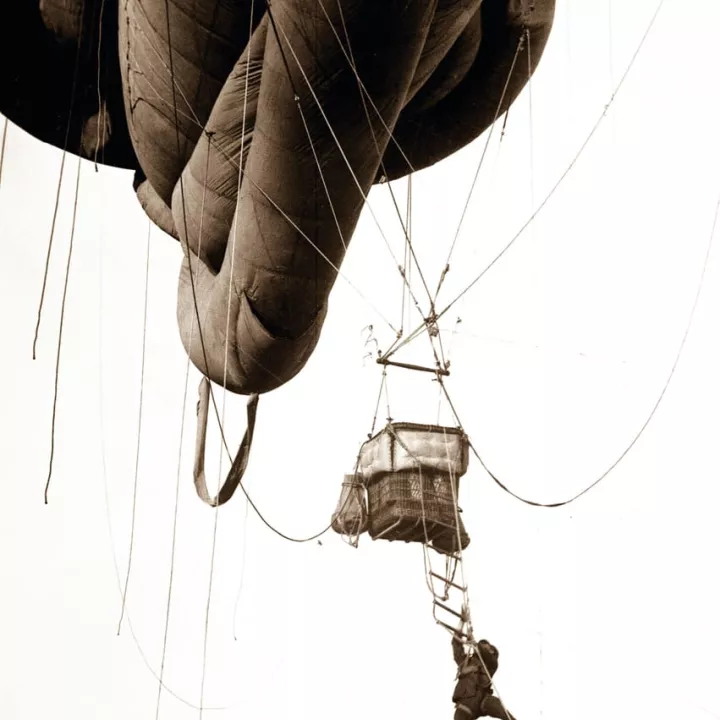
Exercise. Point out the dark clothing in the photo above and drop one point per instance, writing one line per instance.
(490, 706)
(473, 695)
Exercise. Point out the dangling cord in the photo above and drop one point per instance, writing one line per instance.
(68, 127)
(242, 571)
(56, 385)
(139, 429)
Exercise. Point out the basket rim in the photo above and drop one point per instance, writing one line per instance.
(423, 427)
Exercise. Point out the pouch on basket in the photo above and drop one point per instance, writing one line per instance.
(351, 515)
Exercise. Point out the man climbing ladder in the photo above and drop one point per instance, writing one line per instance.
(473, 695)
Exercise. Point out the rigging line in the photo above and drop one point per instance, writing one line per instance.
(562, 177)
(401, 342)
(363, 93)
(459, 553)
(334, 136)
(139, 429)
(182, 193)
(188, 251)
(383, 380)
(652, 412)
(128, 619)
(284, 536)
(242, 487)
(460, 562)
(406, 261)
(68, 127)
(390, 133)
(190, 115)
(480, 164)
(409, 225)
(102, 114)
(233, 162)
(2, 147)
(322, 176)
(611, 79)
(456, 513)
(289, 538)
(304, 235)
(493, 175)
(108, 518)
(63, 303)
(530, 347)
(184, 206)
(243, 566)
(177, 478)
(200, 334)
(340, 273)
(244, 174)
(173, 548)
(531, 124)
(611, 63)
(312, 147)
(409, 249)
(206, 631)
(330, 128)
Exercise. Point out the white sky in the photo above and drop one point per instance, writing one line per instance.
(605, 609)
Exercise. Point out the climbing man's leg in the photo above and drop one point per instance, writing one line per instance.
(492, 707)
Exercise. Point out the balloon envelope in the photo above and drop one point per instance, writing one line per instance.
(256, 131)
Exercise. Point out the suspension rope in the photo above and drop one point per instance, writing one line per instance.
(554, 188)
(365, 96)
(466, 621)
(654, 409)
(479, 167)
(363, 194)
(108, 518)
(192, 117)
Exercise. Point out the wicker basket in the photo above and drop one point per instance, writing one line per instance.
(415, 506)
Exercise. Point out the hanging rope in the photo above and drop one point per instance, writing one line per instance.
(58, 355)
(550, 194)
(654, 409)
(139, 427)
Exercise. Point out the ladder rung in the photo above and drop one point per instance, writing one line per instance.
(453, 630)
(450, 610)
(448, 582)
